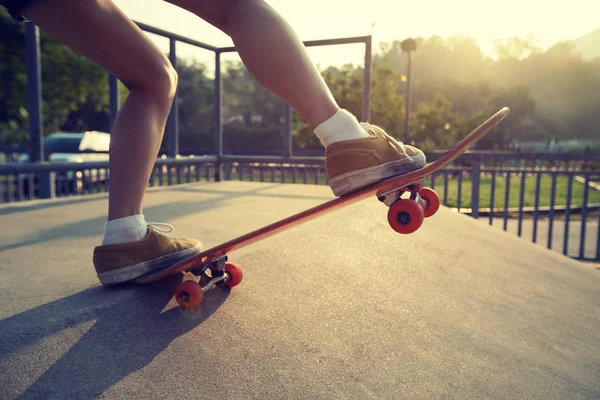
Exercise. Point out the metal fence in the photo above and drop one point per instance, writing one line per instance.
(527, 192)
(481, 184)
(10, 155)
(522, 194)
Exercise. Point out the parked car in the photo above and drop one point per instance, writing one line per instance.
(75, 147)
(72, 148)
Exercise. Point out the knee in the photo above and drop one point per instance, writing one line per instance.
(236, 9)
(243, 6)
(161, 80)
(158, 79)
(168, 80)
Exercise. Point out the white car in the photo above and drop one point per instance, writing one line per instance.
(74, 148)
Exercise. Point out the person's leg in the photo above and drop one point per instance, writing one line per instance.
(101, 32)
(275, 56)
(272, 52)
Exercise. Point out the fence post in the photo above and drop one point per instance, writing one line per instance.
(366, 103)
(34, 92)
(34, 107)
(287, 132)
(218, 99)
(47, 184)
(173, 120)
(475, 181)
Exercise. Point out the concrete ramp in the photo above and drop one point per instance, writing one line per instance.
(338, 308)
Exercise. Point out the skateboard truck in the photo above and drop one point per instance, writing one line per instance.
(216, 267)
(189, 294)
(390, 196)
(405, 215)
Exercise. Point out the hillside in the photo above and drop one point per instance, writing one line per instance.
(589, 45)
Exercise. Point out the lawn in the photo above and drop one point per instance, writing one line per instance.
(485, 189)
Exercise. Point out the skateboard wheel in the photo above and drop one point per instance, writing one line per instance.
(235, 273)
(433, 201)
(189, 295)
(405, 216)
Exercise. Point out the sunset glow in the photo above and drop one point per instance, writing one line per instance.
(486, 21)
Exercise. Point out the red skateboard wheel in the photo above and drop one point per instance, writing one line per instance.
(405, 216)
(235, 274)
(189, 294)
(433, 201)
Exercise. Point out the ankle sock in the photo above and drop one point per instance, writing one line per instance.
(341, 126)
(125, 230)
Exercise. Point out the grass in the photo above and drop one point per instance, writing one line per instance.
(485, 189)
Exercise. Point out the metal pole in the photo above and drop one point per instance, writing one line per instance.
(114, 97)
(218, 99)
(366, 103)
(34, 92)
(407, 113)
(475, 180)
(287, 132)
(34, 108)
(173, 120)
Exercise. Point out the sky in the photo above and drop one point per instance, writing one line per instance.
(547, 21)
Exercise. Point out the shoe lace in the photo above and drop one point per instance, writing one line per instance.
(161, 226)
(398, 145)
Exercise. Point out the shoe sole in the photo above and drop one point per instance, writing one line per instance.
(354, 180)
(133, 271)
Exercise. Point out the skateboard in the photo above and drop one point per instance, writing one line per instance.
(405, 216)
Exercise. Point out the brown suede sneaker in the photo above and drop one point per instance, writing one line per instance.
(116, 263)
(356, 163)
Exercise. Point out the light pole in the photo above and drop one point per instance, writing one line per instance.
(408, 46)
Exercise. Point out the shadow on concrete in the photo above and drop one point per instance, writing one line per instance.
(185, 187)
(167, 211)
(95, 226)
(254, 192)
(129, 331)
(33, 205)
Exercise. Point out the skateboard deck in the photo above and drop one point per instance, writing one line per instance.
(404, 216)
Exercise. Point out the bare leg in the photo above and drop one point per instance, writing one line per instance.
(355, 156)
(272, 52)
(101, 32)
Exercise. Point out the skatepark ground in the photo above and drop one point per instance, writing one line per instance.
(340, 307)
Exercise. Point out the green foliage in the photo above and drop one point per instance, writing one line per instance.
(196, 106)
(13, 81)
(70, 83)
(14, 131)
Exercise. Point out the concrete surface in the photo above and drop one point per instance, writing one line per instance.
(338, 308)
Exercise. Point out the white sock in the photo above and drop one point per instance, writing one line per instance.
(341, 126)
(125, 230)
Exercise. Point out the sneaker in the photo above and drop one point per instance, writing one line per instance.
(356, 163)
(116, 263)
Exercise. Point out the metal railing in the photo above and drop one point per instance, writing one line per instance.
(9, 156)
(563, 200)
(30, 181)
(524, 190)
